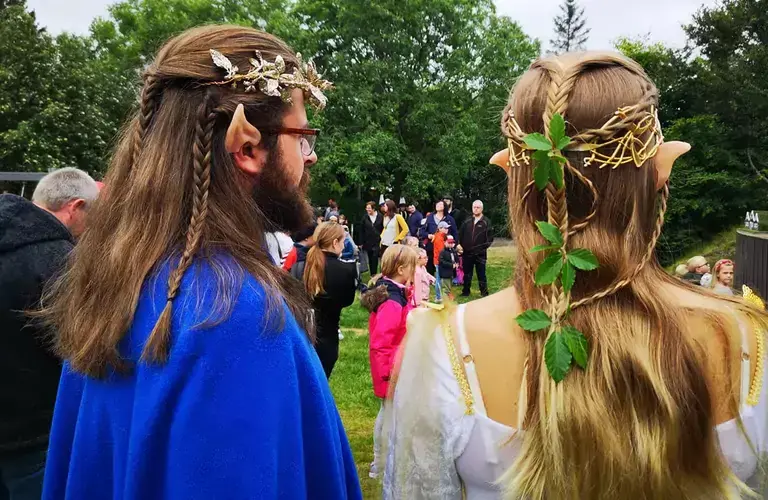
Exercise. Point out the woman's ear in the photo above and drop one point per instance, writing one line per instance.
(665, 159)
(501, 159)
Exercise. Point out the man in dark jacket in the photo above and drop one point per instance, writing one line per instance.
(369, 236)
(414, 220)
(35, 239)
(475, 237)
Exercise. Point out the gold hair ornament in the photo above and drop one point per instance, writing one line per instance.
(634, 134)
(629, 147)
(271, 79)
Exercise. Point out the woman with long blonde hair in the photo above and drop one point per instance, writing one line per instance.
(661, 398)
(331, 283)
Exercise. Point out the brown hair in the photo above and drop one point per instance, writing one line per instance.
(314, 270)
(396, 256)
(371, 204)
(172, 187)
(639, 421)
(391, 208)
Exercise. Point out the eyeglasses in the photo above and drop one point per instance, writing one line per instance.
(307, 136)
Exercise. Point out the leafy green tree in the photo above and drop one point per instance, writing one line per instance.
(51, 98)
(733, 38)
(420, 86)
(712, 185)
(571, 32)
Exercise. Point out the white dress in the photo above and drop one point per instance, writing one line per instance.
(454, 451)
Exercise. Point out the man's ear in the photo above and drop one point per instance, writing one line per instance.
(77, 204)
(665, 159)
(242, 140)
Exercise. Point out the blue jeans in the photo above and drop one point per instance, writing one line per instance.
(438, 290)
(21, 478)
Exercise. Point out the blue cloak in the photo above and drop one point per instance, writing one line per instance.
(241, 410)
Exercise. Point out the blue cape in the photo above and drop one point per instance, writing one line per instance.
(241, 410)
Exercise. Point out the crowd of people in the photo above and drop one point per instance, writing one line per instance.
(181, 345)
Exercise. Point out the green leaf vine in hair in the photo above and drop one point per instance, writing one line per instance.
(565, 344)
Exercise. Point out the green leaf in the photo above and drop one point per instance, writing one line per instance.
(533, 320)
(583, 259)
(568, 277)
(549, 269)
(563, 143)
(539, 248)
(577, 344)
(556, 128)
(541, 176)
(537, 141)
(550, 232)
(541, 157)
(556, 174)
(557, 357)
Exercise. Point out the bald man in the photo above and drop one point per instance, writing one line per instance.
(475, 237)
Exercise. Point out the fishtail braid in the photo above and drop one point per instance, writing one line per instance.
(148, 104)
(560, 88)
(157, 346)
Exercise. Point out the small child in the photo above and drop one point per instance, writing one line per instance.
(438, 242)
(412, 241)
(449, 262)
(422, 280)
(389, 306)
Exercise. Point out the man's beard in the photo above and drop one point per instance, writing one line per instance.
(285, 206)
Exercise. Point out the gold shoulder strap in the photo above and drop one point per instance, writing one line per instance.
(456, 366)
(756, 385)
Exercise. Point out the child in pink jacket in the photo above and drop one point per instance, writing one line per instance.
(422, 280)
(389, 304)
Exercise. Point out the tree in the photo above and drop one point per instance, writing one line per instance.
(713, 184)
(420, 86)
(53, 98)
(571, 32)
(733, 38)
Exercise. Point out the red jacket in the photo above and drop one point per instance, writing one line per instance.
(389, 308)
(438, 243)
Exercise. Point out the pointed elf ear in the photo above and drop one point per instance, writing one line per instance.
(240, 132)
(501, 159)
(665, 159)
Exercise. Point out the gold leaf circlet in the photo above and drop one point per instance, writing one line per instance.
(632, 135)
(271, 79)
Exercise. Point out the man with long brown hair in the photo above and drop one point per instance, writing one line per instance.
(189, 369)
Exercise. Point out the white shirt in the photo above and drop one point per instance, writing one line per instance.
(278, 246)
(390, 231)
(373, 218)
(475, 451)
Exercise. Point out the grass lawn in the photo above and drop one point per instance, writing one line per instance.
(351, 380)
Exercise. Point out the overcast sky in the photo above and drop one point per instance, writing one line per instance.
(608, 19)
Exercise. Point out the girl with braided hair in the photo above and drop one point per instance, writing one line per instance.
(665, 397)
(189, 369)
